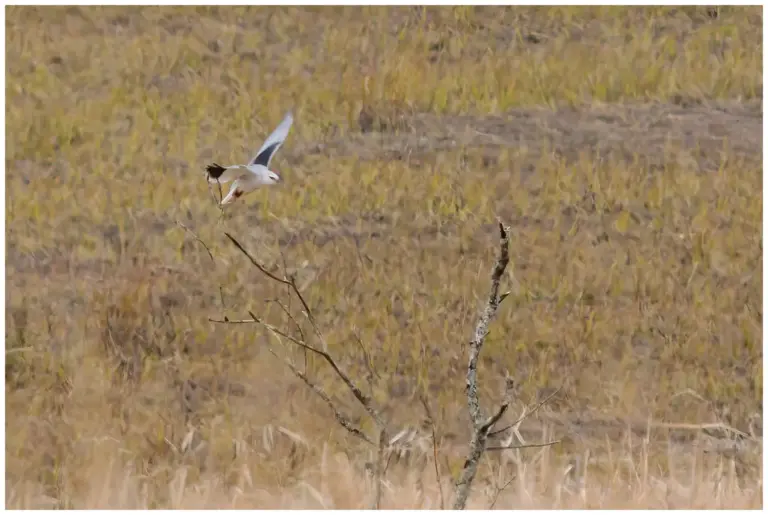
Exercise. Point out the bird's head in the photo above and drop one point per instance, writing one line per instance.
(273, 177)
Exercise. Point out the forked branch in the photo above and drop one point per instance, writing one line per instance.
(342, 419)
(364, 400)
(482, 429)
(287, 281)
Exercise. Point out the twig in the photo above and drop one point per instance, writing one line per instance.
(526, 446)
(228, 321)
(285, 268)
(499, 490)
(508, 388)
(702, 427)
(287, 311)
(434, 450)
(342, 419)
(217, 202)
(291, 282)
(213, 195)
(359, 395)
(368, 364)
(272, 276)
(289, 315)
(195, 236)
(526, 415)
(379, 470)
(256, 263)
(280, 332)
(210, 254)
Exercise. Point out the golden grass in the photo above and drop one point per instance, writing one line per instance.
(618, 143)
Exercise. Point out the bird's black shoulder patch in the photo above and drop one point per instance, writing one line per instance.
(214, 170)
(266, 154)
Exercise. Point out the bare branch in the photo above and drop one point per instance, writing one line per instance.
(254, 262)
(464, 484)
(481, 429)
(288, 313)
(290, 282)
(434, 450)
(477, 447)
(359, 395)
(307, 311)
(282, 333)
(366, 401)
(195, 236)
(215, 201)
(481, 331)
(213, 195)
(526, 446)
(367, 357)
(228, 321)
(379, 470)
(509, 386)
(210, 254)
(340, 417)
(526, 415)
(499, 490)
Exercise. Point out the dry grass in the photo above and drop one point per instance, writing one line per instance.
(622, 145)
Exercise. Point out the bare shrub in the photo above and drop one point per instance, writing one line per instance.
(291, 336)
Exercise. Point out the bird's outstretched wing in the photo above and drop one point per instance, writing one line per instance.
(273, 142)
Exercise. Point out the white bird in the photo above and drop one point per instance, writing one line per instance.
(256, 173)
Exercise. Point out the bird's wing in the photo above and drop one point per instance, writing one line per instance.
(273, 142)
(223, 174)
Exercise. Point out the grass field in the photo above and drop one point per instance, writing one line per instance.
(623, 146)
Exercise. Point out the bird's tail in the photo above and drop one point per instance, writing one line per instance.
(214, 171)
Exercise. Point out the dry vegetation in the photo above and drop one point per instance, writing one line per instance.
(621, 145)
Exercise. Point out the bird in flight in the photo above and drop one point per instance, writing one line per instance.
(256, 173)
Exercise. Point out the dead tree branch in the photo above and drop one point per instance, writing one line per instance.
(379, 469)
(480, 428)
(526, 414)
(342, 419)
(301, 342)
(483, 429)
(481, 330)
(228, 321)
(287, 311)
(482, 425)
(498, 490)
(431, 421)
(364, 400)
(477, 447)
(287, 281)
(526, 446)
(210, 254)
